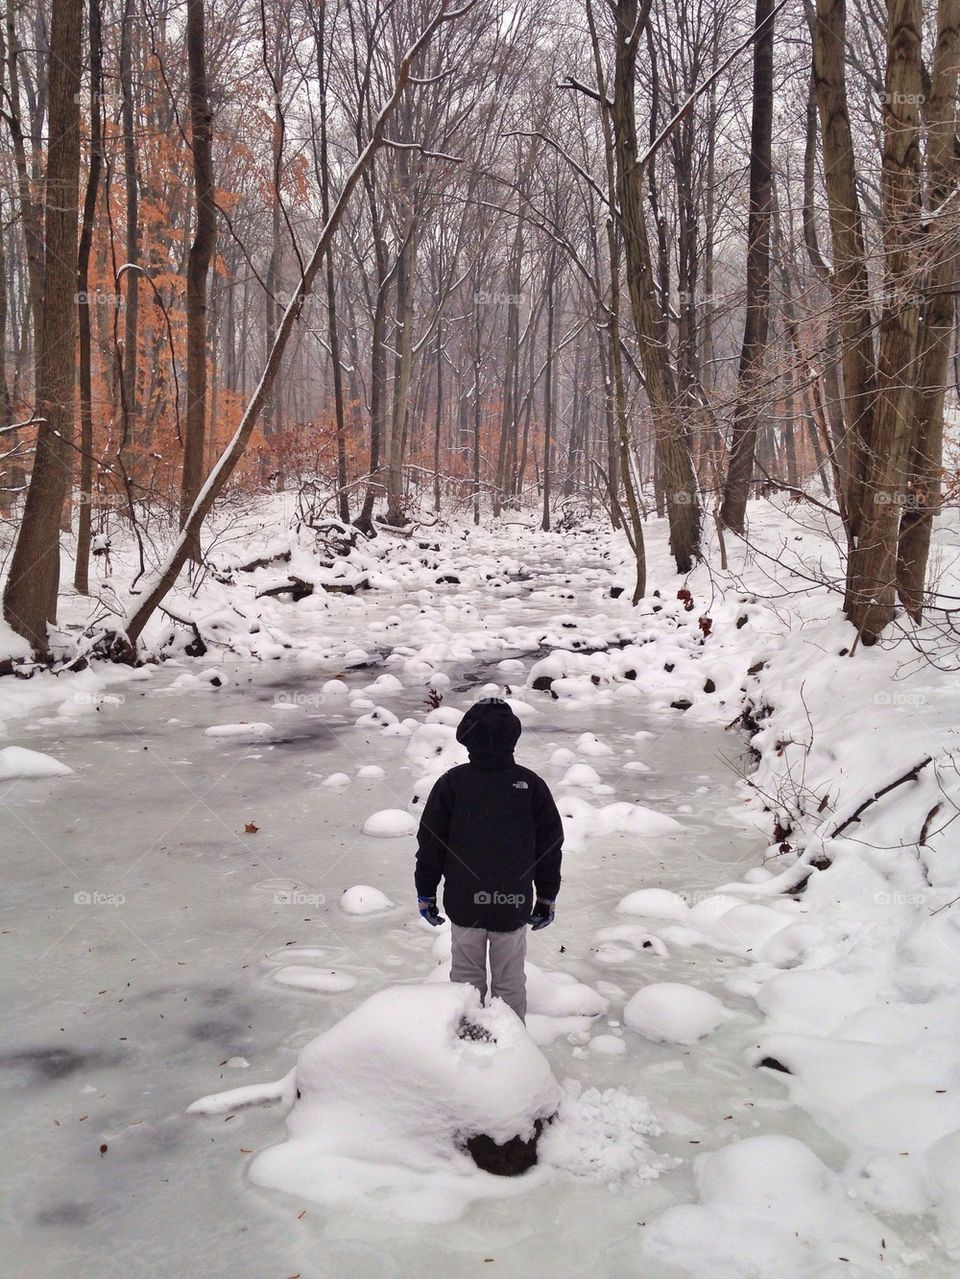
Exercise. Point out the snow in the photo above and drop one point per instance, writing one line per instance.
(364, 900)
(769, 1206)
(654, 903)
(672, 1013)
(240, 732)
(387, 1095)
(390, 823)
(18, 762)
(302, 977)
(580, 775)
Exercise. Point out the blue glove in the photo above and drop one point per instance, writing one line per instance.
(429, 912)
(543, 914)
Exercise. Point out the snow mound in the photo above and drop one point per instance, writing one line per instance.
(18, 762)
(326, 981)
(390, 823)
(239, 732)
(672, 1013)
(558, 994)
(337, 779)
(371, 773)
(580, 775)
(386, 1097)
(769, 1206)
(607, 1046)
(654, 903)
(364, 900)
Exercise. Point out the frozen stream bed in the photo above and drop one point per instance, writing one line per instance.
(151, 896)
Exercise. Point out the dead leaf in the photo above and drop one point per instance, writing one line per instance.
(250, 828)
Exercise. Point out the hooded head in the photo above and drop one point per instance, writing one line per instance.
(490, 731)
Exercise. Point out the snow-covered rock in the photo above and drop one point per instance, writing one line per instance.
(18, 762)
(769, 1206)
(361, 899)
(387, 1096)
(390, 823)
(673, 1013)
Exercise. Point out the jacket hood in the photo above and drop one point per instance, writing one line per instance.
(490, 731)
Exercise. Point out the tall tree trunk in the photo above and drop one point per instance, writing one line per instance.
(748, 411)
(132, 192)
(849, 282)
(333, 334)
(673, 450)
(402, 369)
(872, 563)
(198, 266)
(438, 421)
(81, 577)
(30, 598)
(939, 315)
(548, 396)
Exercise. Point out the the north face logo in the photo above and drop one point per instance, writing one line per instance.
(520, 786)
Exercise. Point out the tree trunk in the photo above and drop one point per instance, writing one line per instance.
(939, 314)
(333, 334)
(548, 394)
(81, 578)
(30, 598)
(673, 451)
(849, 281)
(872, 563)
(130, 177)
(747, 413)
(438, 422)
(198, 266)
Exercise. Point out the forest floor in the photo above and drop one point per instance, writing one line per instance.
(158, 895)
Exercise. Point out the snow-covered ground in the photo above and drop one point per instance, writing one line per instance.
(176, 923)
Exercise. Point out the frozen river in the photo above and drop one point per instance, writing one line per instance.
(142, 921)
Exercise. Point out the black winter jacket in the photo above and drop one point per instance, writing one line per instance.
(490, 829)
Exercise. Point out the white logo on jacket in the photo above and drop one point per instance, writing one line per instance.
(520, 786)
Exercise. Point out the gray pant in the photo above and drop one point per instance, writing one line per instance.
(507, 953)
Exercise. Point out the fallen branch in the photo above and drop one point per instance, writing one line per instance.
(909, 776)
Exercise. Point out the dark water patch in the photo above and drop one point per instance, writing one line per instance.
(231, 1034)
(49, 1065)
(65, 1214)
